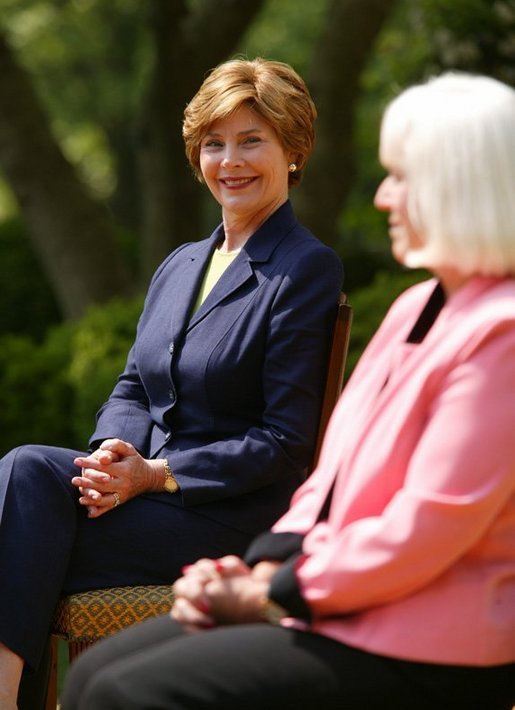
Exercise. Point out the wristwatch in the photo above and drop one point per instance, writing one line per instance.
(272, 612)
(170, 485)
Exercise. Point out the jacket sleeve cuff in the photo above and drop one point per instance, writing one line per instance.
(274, 547)
(284, 589)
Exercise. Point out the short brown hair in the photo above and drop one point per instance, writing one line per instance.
(272, 89)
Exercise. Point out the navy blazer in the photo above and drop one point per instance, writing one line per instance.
(231, 396)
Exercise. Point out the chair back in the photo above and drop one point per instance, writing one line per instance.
(335, 368)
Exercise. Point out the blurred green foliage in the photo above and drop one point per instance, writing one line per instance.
(286, 31)
(101, 342)
(27, 301)
(52, 389)
(36, 395)
(90, 61)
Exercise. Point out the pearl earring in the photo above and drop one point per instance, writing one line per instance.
(292, 167)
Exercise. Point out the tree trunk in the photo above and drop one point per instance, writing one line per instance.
(71, 232)
(351, 28)
(188, 44)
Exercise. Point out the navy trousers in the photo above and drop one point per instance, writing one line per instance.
(49, 547)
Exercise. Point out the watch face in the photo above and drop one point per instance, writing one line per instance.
(170, 485)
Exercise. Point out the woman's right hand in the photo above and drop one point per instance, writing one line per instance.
(191, 606)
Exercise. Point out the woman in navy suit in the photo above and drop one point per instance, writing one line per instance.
(390, 582)
(212, 424)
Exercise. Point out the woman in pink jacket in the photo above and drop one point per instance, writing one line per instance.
(392, 576)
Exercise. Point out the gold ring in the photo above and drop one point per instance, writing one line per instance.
(116, 500)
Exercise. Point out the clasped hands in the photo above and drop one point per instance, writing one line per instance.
(220, 592)
(113, 474)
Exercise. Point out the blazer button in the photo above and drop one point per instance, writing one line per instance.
(170, 348)
(167, 436)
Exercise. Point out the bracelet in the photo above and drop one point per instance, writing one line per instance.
(271, 611)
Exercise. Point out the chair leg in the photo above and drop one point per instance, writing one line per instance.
(75, 648)
(51, 698)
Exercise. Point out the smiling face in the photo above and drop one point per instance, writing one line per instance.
(245, 167)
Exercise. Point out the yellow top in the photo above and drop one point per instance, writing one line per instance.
(219, 262)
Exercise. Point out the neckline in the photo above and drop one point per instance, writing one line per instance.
(428, 315)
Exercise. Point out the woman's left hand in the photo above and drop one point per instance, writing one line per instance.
(113, 474)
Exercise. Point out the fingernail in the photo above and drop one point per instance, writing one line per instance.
(207, 624)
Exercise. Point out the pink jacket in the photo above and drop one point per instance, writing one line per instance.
(417, 557)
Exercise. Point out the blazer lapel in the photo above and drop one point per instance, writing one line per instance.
(188, 283)
(258, 250)
(232, 279)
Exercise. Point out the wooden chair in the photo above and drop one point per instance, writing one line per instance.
(83, 618)
(335, 368)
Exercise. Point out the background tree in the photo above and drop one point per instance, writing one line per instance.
(96, 184)
(92, 95)
(77, 238)
(66, 224)
(339, 58)
(72, 231)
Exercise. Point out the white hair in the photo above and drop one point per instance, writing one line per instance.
(454, 138)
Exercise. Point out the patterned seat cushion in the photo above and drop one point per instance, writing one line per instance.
(90, 616)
